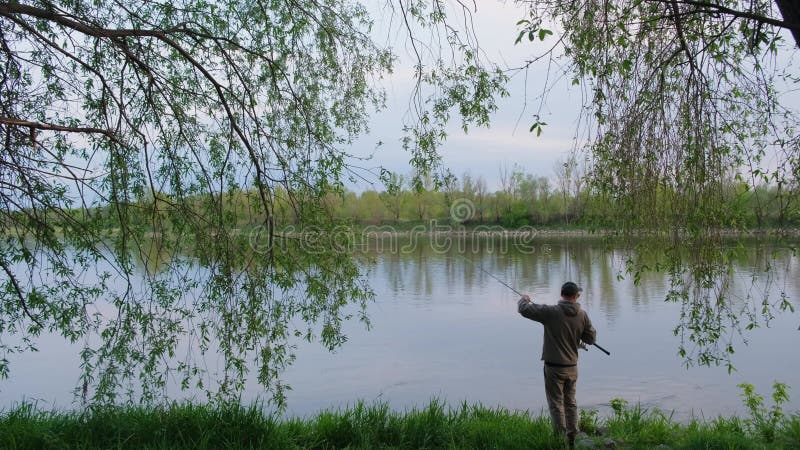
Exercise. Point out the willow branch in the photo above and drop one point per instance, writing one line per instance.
(18, 291)
(52, 127)
(736, 13)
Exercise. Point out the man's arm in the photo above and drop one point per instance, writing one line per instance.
(531, 310)
(589, 334)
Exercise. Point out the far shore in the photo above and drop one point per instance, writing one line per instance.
(496, 231)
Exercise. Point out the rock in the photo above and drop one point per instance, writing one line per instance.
(609, 443)
(585, 442)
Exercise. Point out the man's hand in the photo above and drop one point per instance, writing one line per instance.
(524, 300)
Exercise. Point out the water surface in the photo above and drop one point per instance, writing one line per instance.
(442, 327)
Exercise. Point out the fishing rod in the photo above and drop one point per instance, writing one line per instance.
(498, 279)
(515, 291)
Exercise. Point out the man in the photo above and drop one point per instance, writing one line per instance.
(565, 324)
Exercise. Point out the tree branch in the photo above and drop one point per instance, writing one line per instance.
(9, 9)
(53, 127)
(18, 291)
(792, 26)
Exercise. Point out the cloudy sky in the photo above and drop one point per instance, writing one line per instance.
(482, 151)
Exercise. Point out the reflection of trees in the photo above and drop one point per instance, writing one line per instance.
(153, 256)
(747, 277)
(608, 278)
(724, 288)
(407, 267)
(391, 268)
(422, 279)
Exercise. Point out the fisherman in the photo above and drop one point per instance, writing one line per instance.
(565, 326)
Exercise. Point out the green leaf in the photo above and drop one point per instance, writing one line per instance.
(627, 65)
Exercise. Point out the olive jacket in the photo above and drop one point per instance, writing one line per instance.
(565, 324)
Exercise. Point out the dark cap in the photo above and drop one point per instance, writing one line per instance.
(570, 289)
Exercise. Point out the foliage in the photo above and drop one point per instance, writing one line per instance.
(135, 136)
(224, 426)
(529, 199)
(763, 421)
(589, 421)
(685, 124)
(364, 426)
(618, 405)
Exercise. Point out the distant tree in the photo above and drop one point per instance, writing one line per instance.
(473, 190)
(371, 208)
(450, 188)
(480, 198)
(392, 196)
(423, 197)
(349, 206)
(468, 187)
(565, 173)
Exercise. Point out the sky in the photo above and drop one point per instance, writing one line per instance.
(481, 152)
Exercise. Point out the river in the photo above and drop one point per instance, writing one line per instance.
(442, 327)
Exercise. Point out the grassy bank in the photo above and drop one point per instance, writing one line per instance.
(370, 427)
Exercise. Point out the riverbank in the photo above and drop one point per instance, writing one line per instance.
(527, 233)
(371, 427)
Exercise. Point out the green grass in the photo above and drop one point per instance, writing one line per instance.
(436, 426)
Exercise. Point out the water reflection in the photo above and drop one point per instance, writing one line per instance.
(439, 294)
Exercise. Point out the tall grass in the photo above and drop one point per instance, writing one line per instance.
(362, 426)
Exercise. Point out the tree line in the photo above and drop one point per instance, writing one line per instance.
(563, 199)
(522, 198)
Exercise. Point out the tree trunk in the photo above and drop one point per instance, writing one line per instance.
(790, 10)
